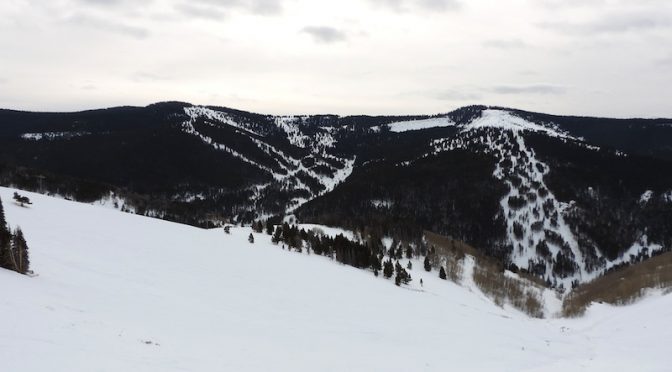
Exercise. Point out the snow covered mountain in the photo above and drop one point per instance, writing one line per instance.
(563, 198)
(151, 295)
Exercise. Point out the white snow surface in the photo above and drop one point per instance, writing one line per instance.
(506, 121)
(405, 126)
(646, 196)
(50, 136)
(330, 231)
(121, 292)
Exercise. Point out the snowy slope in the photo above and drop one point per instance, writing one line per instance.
(290, 173)
(121, 292)
(535, 218)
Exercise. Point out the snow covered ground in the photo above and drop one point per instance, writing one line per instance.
(121, 292)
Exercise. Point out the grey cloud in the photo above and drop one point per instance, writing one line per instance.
(106, 25)
(196, 11)
(101, 2)
(505, 44)
(457, 95)
(262, 7)
(408, 5)
(614, 24)
(555, 4)
(528, 89)
(665, 62)
(324, 34)
(3, 80)
(115, 3)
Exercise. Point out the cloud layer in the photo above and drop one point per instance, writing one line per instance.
(584, 57)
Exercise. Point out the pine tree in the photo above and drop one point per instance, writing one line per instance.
(3, 222)
(375, 262)
(5, 239)
(388, 269)
(250, 238)
(277, 236)
(20, 252)
(22, 200)
(269, 228)
(442, 273)
(428, 265)
(409, 266)
(402, 277)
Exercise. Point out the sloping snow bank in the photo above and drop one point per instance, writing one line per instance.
(121, 292)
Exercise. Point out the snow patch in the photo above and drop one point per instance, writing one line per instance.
(382, 203)
(646, 196)
(641, 246)
(504, 120)
(51, 136)
(411, 125)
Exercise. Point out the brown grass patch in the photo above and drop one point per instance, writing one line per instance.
(621, 287)
(519, 293)
(523, 294)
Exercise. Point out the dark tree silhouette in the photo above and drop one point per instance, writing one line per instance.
(20, 252)
(21, 200)
(442, 273)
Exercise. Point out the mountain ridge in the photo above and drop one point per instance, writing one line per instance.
(529, 189)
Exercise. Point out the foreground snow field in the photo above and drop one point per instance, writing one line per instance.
(120, 292)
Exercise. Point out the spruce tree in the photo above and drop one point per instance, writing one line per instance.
(409, 266)
(5, 239)
(442, 273)
(3, 222)
(277, 236)
(20, 252)
(250, 238)
(269, 228)
(388, 269)
(428, 265)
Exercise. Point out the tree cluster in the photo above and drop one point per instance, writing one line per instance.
(364, 255)
(13, 247)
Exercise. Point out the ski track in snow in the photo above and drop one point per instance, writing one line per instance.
(120, 292)
(515, 158)
(290, 166)
(502, 134)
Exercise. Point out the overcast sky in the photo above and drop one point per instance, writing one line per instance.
(589, 57)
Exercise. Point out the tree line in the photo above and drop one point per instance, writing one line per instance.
(369, 255)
